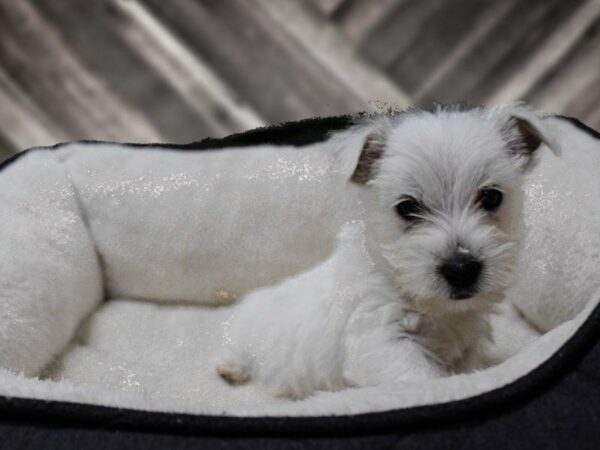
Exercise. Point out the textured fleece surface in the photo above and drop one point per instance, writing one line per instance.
(207, 226)
(171, 231)
(561, 254)
(49, 273)
(167, 358)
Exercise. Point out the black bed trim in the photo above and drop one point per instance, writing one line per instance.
(582, 126)
(289, 133)
(438, 416)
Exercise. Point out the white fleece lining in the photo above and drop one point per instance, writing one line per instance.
(174, 232)
(117, 386)
(49, 274)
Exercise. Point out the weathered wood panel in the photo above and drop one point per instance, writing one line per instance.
(357, 17)
(396, 31)
(503, 50)
(22, 123)
(150, 70)
(257, 59)
(563, 42)
(196, 83)
(93, 31)
(334, 52)
(572, 87)
(329, 7)
(40, 61)
(528, 26)
(450, 29)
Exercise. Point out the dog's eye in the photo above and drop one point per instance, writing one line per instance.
(409, 208)
(490, 198)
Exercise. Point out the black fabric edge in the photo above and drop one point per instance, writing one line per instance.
(580, 125)
(289, 133)
(7, 162)
(438, 416)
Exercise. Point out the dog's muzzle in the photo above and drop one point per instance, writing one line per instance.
(461, 272)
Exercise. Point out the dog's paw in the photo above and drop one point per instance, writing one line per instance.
(232, 373)
(288, 393)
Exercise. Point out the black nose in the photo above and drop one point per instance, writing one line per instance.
(461, 272)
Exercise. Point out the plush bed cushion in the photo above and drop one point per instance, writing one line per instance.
(170, 235)
(560, 260)
(185, 226)
(49, 274)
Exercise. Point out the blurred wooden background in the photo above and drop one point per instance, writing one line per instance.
(181, 70)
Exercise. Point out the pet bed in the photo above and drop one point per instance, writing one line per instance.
(118, 263)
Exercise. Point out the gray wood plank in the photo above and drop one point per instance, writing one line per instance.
(334, 52)
(20, 126)
(395, 32)
(7, 148)
(93, 31)
(571, 87)
(256, 59)
(440, 35)
(328, 7)
(72, 70)
(39, 61)
(356, 18)
(586, 105)
(520, 33)
(22, 120)
(194, 81)
(562, 41)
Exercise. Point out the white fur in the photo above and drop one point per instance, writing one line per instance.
(378, 310)
(310, 332)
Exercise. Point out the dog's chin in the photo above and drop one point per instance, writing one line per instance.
(456, 302)
(463, 294)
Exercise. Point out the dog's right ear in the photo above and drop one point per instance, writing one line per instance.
(371, 152)
(357, 149)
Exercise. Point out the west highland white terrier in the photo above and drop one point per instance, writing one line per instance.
(407, 292)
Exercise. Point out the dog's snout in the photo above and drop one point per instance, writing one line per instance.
(461, 272)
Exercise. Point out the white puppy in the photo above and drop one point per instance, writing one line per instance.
(407, 291)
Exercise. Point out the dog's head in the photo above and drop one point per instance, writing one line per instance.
(444, 200)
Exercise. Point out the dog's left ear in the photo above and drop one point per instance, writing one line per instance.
(524, 133)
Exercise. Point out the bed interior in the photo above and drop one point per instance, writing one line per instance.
(114, 295)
